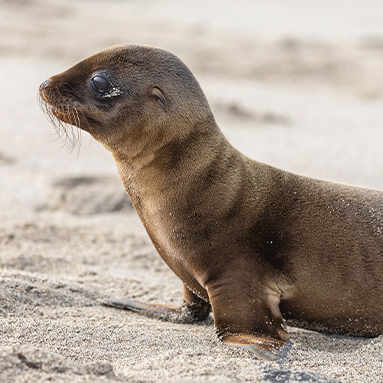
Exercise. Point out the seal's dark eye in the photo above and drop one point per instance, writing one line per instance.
(100, 84)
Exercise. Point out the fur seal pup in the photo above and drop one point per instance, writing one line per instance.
(255, 244)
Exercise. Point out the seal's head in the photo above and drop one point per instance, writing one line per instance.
(125, 93)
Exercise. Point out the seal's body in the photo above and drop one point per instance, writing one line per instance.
(251, 242)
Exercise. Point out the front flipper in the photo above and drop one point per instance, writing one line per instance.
(193, 309)
(249, 318)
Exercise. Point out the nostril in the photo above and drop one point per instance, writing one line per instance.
(44, 84)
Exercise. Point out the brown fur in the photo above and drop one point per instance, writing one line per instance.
(254, 243)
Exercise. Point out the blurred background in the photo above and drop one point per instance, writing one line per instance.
(296, 84)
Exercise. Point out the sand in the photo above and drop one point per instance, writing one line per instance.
(297, 86)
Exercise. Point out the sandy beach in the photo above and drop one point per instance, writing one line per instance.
(297, 86)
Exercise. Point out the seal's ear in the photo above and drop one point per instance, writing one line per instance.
(160, 98)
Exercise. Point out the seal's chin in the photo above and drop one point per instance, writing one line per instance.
(72, 117)
(63, 116)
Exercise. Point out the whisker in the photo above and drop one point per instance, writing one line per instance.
(66, 132)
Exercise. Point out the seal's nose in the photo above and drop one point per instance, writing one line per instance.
(44, 84)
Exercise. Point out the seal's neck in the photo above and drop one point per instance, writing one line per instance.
(169, 162)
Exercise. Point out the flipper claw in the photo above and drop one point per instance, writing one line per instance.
(277, 355)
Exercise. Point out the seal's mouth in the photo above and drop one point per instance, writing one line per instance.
(56, 106)
(66, 113)
(64, 116)
(71, 116)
